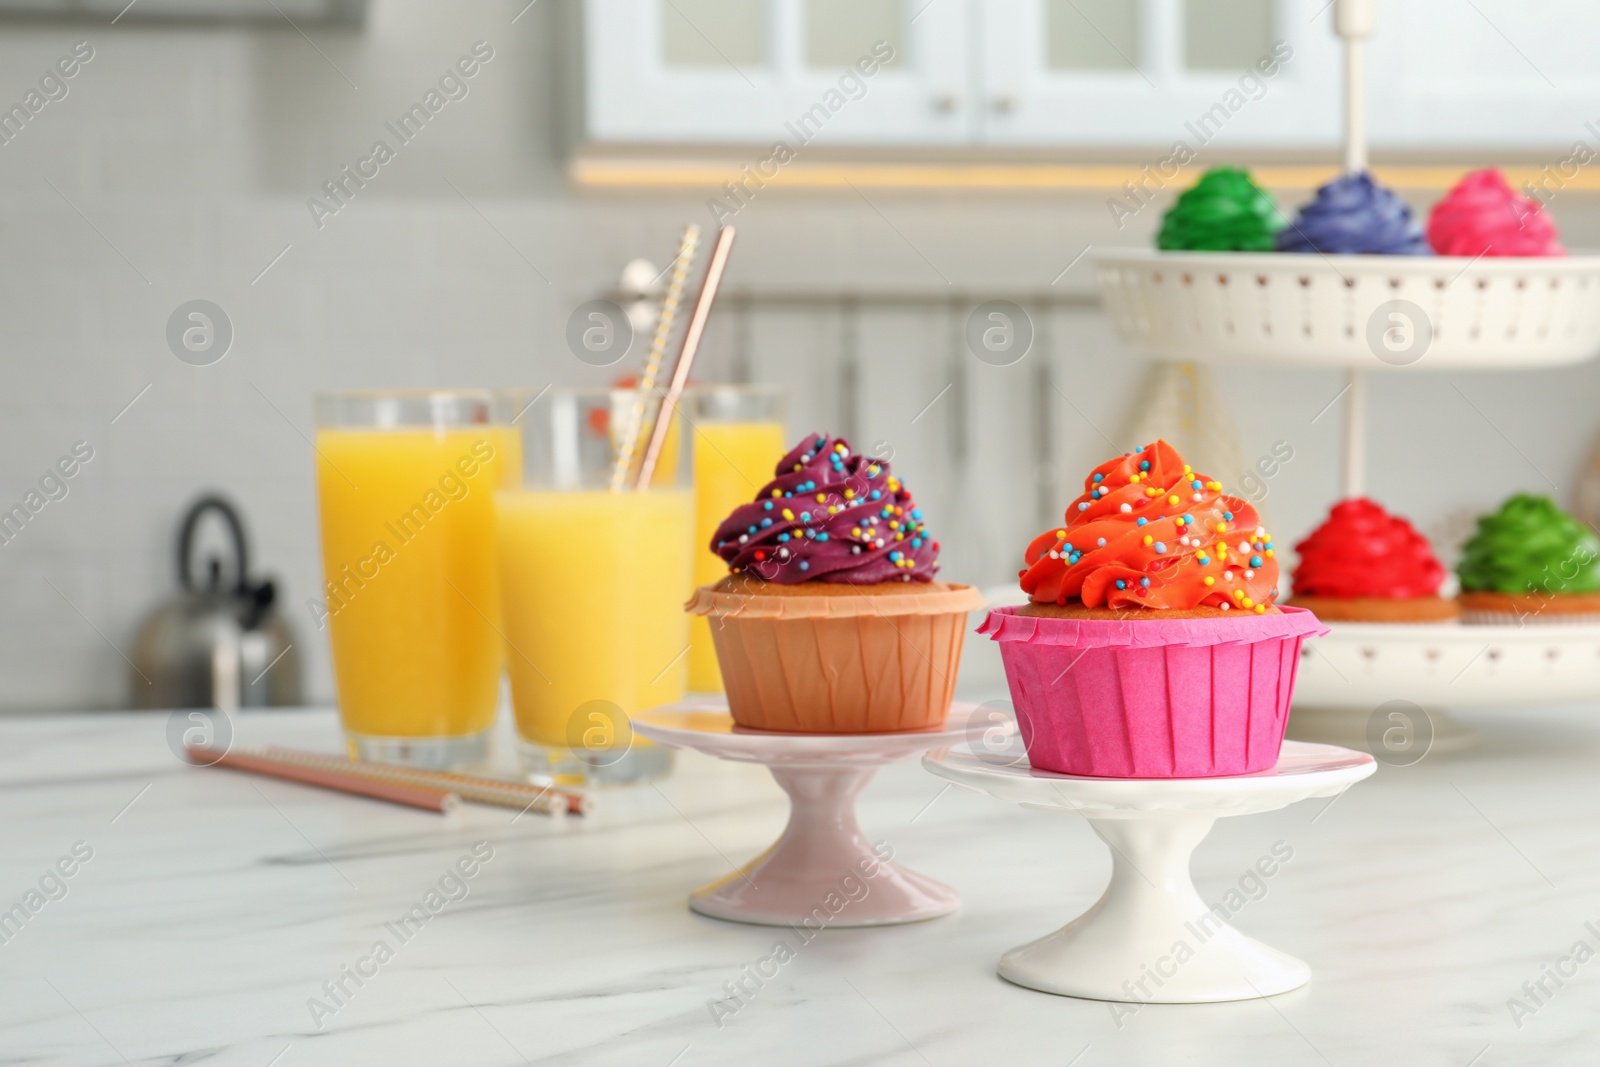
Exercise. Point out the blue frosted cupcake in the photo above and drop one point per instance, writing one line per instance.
(1354, 215)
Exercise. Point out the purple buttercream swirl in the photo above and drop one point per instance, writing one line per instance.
(1355, 215)
(829, 515)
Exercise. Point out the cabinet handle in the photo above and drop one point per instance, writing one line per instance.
(1003, 103)
(946, 103)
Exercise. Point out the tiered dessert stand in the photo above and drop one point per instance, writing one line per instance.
(1353, 684)
(823, 844)
(1385, 314)
(1126, 947)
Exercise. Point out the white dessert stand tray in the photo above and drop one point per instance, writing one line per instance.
(822, 845)
(1347, 675)
(1150, 905)
(1308, 310)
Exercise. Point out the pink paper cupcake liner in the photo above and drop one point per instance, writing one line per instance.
(1152, 698)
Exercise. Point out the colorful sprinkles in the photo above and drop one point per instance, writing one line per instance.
(1158, 531)
(858, 522)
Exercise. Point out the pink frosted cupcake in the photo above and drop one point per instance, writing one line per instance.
(1483, 216)
(1152, 646)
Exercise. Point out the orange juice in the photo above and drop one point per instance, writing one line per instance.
(592, 586)
(732, 461)
(410, 596)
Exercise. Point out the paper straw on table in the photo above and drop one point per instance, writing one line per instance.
(629, 444)
(691, 345)
(520, 795)
(415, 796)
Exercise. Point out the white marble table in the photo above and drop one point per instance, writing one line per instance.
(216, 905)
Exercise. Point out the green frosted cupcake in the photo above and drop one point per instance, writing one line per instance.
(1530, 562)
(1225, 211)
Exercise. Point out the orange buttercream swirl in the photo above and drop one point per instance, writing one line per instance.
(1148, 532)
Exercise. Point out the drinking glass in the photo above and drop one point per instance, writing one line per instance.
(738, 440)
(405, 487)
(594, 574)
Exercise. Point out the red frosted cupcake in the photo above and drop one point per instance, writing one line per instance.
(1152, 647)
(1366, 565)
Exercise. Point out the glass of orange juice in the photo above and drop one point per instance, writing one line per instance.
(738, 440)
(594, 574)
(405, 486)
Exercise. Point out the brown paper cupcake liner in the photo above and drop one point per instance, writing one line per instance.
(884, 663)
(709, 600)
(1532, 609)
(1479, 617)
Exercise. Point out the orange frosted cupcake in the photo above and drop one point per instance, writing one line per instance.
(830, 620)
(1151, 646)
(1149, 534)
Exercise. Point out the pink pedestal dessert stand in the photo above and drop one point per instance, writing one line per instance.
(823, 844)
(1150, 906)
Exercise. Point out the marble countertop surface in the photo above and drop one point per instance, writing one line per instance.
(205, 910)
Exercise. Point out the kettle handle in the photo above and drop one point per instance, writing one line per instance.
(191, 523)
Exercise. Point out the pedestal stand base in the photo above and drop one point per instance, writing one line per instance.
(1150, 938)
(823, 871)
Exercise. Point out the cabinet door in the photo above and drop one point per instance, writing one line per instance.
(1491, 73)
(1155, 73)
(315, 11)
(760, 71)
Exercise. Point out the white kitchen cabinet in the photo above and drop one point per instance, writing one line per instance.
(1155, 73)
(1142, 75)
(308, 12)
(761, 71)
(1498, 73)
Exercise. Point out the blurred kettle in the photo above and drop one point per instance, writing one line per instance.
(214, 645)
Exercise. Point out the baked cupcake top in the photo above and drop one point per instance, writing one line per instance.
(1528, 546)
(1354, 215)
(1363, 551)
(1148, 532)
(829, 515)
(1225, 211)
(1483, 216)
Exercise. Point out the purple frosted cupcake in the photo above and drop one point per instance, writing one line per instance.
(1354, 215)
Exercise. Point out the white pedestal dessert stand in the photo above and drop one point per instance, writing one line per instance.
(823, 844)
(1349, 677)
(1111, 951)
